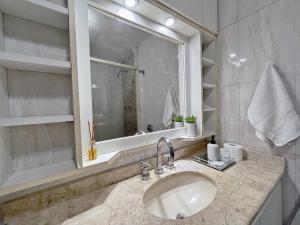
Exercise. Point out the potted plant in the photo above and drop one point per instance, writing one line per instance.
(179, 121)
(191, 125)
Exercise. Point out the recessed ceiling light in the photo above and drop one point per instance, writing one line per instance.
(232, 55)
(170, 21)
(131, 3)
(243, 60)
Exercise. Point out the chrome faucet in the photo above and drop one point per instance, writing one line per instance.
(158, 168)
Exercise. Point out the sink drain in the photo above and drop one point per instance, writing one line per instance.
(179, 216)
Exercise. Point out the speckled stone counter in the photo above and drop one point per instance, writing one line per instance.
(241, 191)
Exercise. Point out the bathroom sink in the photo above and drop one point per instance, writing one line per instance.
(179, 195)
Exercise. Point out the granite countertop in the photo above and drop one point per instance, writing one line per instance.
(241, 191)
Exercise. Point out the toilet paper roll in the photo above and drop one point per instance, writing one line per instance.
(236, 151)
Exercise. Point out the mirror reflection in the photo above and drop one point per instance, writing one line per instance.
(135, 78)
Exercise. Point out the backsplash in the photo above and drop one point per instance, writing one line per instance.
(251, 33)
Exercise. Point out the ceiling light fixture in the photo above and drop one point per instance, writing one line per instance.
(131, 3)
(170, 21)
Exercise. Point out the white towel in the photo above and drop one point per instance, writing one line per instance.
(171, 107)
(271, 111)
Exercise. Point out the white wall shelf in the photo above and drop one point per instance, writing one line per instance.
(21, 177)
(40, 11)
(32, 63)
(21, 121)
(209, 86)
(207, 38)
(209, 109)
(197, 138)
(207, 62)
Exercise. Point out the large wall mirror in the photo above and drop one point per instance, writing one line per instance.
(135, 77)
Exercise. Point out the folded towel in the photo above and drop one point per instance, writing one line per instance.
(271, 111)
(171, 107)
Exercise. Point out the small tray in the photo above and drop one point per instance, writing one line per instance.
(202, 158)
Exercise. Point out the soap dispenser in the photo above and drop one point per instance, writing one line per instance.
(213, 150)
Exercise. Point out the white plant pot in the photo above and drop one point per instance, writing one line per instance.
(179, 124)
(191, 129)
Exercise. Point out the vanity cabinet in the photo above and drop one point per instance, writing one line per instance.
(271, 212)
(202, 12)
(36, 112)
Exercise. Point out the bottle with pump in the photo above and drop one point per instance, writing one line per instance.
(213, 150)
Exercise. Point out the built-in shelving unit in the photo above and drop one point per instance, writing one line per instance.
(209, 108)
(207, 62)
(36, 112)
(208, 86)
(31, 63)
(40, 11)
(32, 120)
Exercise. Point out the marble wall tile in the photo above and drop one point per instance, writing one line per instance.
(248, 7)
(227, 13)
(297, 73)
(31, 38)
(228, 104)
(297, 53)
(263, 37)
(227, 41)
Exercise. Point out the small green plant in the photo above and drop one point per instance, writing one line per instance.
(191, 119)
(179, 119)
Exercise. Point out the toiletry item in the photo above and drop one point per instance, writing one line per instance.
(225, 155)
(213, 150)
(236, 151)
(92, 151)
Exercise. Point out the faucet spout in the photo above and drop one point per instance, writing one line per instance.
(158, 168)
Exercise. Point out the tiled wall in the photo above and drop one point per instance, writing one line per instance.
(258, 31)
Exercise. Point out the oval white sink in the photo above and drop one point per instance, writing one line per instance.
(180, 195)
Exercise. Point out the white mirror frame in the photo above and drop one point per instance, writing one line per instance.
(82, 83)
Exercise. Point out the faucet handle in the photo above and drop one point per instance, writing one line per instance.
(145, 170)
(145, 165)
(170, 163)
